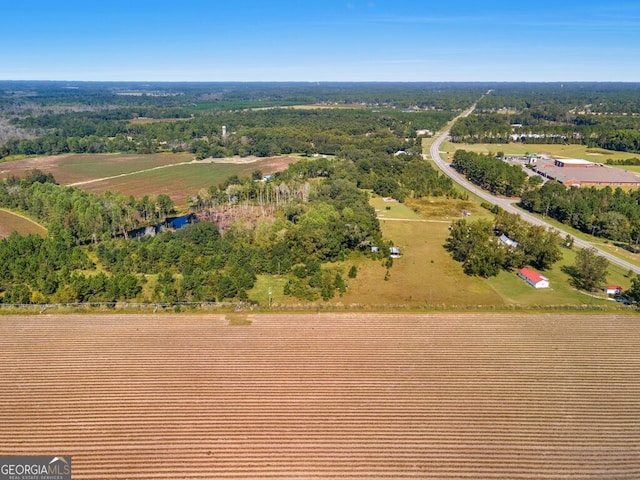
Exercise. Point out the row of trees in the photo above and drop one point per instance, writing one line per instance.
(604, 212)
(596, 115)
(490, 173)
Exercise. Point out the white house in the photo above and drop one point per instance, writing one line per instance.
(507, 241)
(533, 278)
(612, 289)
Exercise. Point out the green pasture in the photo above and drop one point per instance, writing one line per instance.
(14, 222)
(516, 291)
(78, 168)
(179, 181)
(390, 208)
(424, 276)
(427, 277)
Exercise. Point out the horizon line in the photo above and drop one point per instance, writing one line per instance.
(319, 81)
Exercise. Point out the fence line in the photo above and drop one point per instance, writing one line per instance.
(155, 306)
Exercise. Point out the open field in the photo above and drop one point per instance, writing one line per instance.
(427, 277)
(182, 181)
(599, 155)
(176, 175)
(73, 168)
(13, 222)
(425, 274)
(349, 396)
(517, 292)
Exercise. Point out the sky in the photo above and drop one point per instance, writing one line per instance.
(316, 41)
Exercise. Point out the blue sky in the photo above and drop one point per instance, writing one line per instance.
(309, 40)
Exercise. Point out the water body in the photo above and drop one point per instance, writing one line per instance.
(171, 223)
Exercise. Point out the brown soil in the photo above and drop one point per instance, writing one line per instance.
(329, 396)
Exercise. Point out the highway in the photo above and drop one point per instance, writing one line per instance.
(509, 205)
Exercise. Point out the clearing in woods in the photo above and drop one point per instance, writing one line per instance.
(177, 175)
(327, 396)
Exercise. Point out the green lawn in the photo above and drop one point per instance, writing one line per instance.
(516, 291)
(389, 208)
(269, 283)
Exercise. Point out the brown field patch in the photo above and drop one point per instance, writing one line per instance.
(184, 180)
(329, 396)
(73, 168)
(13, 222)
(177, 175)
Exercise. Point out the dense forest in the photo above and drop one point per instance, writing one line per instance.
(595, 115)
(43, 118)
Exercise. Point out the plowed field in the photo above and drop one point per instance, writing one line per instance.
(329, 396)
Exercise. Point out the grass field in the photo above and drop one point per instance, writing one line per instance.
(14, 222)
(324, 396)
(517, 292)
(427, 277)
(72, 168)
(182, 181)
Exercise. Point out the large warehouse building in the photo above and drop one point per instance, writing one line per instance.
(574, 172)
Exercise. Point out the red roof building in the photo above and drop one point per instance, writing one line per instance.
(533, 278)
(612, 289)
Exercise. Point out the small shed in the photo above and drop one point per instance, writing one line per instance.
(533, 278)
(394, 252)
(612, 289)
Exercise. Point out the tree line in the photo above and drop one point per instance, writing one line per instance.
(81, 215)
(609, 213)
(490, 173)
(261, 133)
(594, 115)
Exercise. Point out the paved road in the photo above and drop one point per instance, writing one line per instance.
(508, 205)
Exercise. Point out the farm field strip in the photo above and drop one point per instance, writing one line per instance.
(343, 396)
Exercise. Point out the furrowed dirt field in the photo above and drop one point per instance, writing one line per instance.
(339, 396)
(177, 175)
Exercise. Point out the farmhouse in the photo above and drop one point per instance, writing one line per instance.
(575, 172)
(533, 278)
(504, 240)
